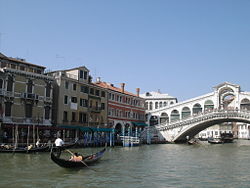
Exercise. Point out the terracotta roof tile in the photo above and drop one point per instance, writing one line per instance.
(112, 87)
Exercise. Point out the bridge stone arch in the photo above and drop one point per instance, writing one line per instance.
(198, 126)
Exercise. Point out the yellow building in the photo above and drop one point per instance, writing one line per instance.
(25, 93)
(78, 102)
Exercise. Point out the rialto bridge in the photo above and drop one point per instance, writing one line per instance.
(227, 103)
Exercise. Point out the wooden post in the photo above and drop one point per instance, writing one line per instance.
(13, 135)
(34, 134)
(28, 136)
(16, 136)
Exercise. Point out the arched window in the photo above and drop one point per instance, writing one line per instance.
(197, 109)
(146, 106)
(165, 104)
(175, 115)
(209, 105)
(186, 112)
(164, 118)
(156, 105)
(160, 104)
(150, 106)
(245, 104)
(153, 120)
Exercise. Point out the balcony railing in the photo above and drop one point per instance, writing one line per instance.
(30, 96)
(95, 109)
(3, 92)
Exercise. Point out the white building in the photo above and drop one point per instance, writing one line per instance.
(155, 100)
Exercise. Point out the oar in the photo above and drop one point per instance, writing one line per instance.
(81, 161)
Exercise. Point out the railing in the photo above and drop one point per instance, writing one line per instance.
(3, 92)
(22, 120)
(232, 113)
(95, 109)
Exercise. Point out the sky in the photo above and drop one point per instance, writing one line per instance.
(180, 47)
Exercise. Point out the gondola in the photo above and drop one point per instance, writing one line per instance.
(215, 141)
(24, 149)
(87, 160)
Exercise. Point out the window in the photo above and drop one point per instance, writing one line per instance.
(10, 84)
(84, 89)
(65, 99)
(92, 91)
(47, 112)
(28, 110)
(85, 75)
(48, 88)
(66, 85)
(8, 109)
(3, 64)
(81, 74)
(22, 68)
(65, 116)
(1, 83)
(30, 86)
(74, 87)
(73, 116)
(156, 105)
(103, 94)
(103, 106)
(97, 92)
(73, 99)
(13, 66)
(82, 117)
(84, 102)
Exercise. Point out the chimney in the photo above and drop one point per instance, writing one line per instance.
(138, 92)
(98, 79)
(122, 87)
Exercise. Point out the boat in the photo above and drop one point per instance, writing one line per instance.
(11, 149)
(130, 141)
(215, 141)
(67, 163)
(227, 137)
(193, 141)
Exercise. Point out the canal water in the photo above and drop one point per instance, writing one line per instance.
(147, 166)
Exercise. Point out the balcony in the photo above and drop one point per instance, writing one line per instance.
(5, 93)
(30, 96)
(95, 109)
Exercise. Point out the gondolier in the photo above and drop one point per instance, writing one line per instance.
(59, 142)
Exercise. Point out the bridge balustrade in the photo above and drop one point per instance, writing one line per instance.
(205, 116)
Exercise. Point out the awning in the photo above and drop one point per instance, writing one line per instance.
(139, 124)
(86, 129)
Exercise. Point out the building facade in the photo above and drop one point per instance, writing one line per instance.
(25, 93)
(77, 101)
(126, 111)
